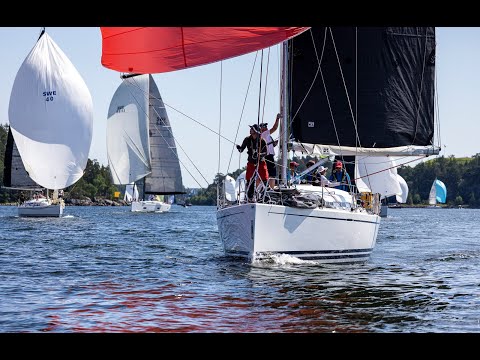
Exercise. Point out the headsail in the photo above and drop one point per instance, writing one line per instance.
(377, 175)
(127, 131)
(51, 116)
(403, 196)
(161, 49)
(381, 79)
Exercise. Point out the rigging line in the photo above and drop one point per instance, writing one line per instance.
(391, 167)
(259, 135)
(199, 123)
(437, 110)
(356, 81)
(354, 120)
(220, 117)
(176, 155)
(171, 133)
(319, 62)
(241, 114)
(266, 85)
(419, 96)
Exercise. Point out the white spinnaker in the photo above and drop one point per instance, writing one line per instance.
(402, 197)
(377, 174)
(51, 116)
(127, 131)
(230, 191)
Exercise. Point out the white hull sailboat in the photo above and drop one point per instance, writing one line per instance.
(345, 93)
(150, 206)
(41, 207)
(154, 204)
(256, 231)
(140, 144)
(15, 177)
(49, 102)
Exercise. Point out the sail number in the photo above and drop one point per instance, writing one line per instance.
(48, 95)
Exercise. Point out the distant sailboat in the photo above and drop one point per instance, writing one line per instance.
(51, 120)
(438, 193)
(131, 193)
(140, 144)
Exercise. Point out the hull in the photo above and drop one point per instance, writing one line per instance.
(150, 206)
(40, 209)
(255, 231)
(384, 211)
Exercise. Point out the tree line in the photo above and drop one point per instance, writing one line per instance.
(458, 174)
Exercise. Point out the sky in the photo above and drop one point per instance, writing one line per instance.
(198, 111)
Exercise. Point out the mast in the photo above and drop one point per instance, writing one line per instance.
(285, 115)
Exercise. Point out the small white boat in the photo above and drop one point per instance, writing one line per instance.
(150, 206)
(41, 207)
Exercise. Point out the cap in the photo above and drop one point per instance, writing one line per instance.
(338, 164)
(321, 168)
(311, 162)
(255, 128)
(294, 163)
(264, 125)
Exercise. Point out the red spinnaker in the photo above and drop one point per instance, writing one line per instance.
(148, 50)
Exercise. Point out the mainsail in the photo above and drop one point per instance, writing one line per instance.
(14, 174)
(369, 89)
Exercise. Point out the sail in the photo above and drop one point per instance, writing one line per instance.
(377, 175)
(230, 191)
(131, 193)
(51, 116)
(380, 78)
(127, 131)
(403, 196)
(14, 173)
(438, 193)
(166, 175)
(161, 49)
(140, 141)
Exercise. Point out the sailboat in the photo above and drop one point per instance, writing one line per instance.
(49, 102)
(438, 193)
(131, 192)
(15, 177)
(141, 146)
(344, 92)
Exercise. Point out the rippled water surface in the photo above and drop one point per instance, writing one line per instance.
(105, 269)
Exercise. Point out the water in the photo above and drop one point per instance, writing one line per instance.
(105, 269)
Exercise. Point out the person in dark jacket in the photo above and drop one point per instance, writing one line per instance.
(340, 174)
(256, 165)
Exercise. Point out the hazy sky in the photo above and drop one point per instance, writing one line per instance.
(192, 96)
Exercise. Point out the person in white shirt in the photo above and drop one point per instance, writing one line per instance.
(270, 158)
(323, 179)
